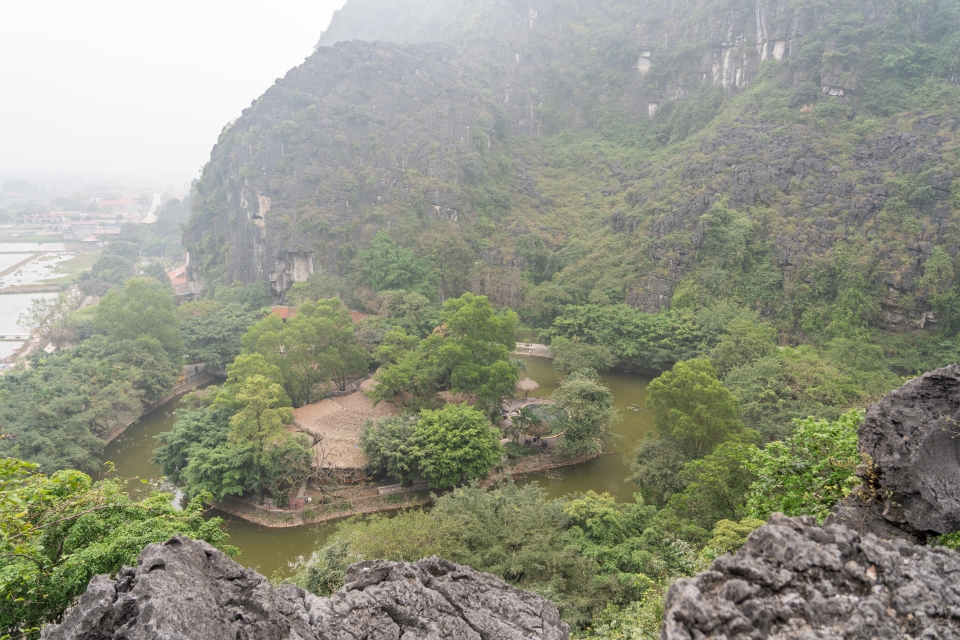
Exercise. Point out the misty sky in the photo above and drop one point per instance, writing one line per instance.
(139, 88)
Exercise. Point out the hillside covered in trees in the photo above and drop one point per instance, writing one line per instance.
(553, 152)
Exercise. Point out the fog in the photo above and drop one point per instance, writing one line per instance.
(139, 89)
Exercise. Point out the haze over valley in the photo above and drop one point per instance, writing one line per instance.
(648, 309)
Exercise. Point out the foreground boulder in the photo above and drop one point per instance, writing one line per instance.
(794, 579)
(911, 437)
(188, 589)
(910, 443)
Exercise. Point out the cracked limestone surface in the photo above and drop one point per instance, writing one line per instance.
(188, 589)
(794, 579)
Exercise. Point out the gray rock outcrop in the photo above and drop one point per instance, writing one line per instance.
(189, 589)
(912, 480)
(794, 579)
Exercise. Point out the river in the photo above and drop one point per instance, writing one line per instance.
(262, 549)
(607, 473)
(279, 551)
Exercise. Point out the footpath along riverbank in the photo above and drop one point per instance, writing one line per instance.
(126, 419)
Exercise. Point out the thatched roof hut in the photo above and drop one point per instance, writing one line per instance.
(527, 385)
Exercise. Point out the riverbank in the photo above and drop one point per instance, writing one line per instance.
(346, 502)
(16, 266)
(126, 419)
(532, 349)
(540, 463)
(318, 513)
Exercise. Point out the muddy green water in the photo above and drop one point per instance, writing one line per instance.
(272, 551)
(265, 550)
(607, 473)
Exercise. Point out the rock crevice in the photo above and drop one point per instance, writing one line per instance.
(188, 589)
(794, 579)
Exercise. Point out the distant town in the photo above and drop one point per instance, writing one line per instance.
(100, 216)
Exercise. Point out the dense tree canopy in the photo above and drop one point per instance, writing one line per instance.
(583, 558)
(745, 341)
(715, 488)
(113, 269)
(58, 531)
(810, 471)
(467, 353)
(311, 350)
(211, 450)
(53, 411)
(148, 366)
(212, 332)
(657, 465)
(410, 311)
(446, 447)
(458, 445)
(692, 408)
(142, 308)
(574, 355)
(589, 412)
(388, 266)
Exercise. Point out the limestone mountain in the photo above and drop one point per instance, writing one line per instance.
(798, 156)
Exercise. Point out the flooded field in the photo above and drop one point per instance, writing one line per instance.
(11, 308)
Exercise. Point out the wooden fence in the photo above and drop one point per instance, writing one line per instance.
(399, 488)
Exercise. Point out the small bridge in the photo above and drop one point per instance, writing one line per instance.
(14, 337)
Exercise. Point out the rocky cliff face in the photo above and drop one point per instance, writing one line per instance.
(472, 140)
(863, 575)
(188, 589)
(911, 477)
(793, 579)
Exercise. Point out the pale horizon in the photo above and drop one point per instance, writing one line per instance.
(135, 91)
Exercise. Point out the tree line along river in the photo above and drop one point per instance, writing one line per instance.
(280, 550)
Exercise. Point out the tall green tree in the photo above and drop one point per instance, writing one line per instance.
(458, 444)
(411, 311)
(261, 420)
(468, 353)
(810, 471)
(312, 349)
(656, 468)
(692, 408)
(473, 345)
(446, 447)
(715, 488)
(589, 409)
(142, 308)
(245, 366)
